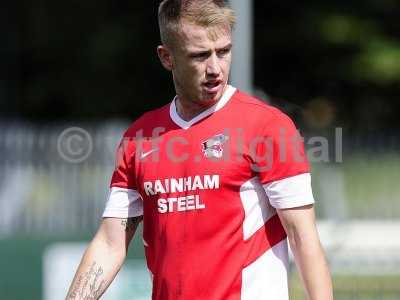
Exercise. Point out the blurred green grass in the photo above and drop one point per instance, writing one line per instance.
(354, 287)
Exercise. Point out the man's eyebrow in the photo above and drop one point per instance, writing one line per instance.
(199, 52)
(229, 46)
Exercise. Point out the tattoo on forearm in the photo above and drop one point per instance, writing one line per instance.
(130, 224)
(89, 285)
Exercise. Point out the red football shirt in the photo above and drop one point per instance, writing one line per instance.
(208, 190)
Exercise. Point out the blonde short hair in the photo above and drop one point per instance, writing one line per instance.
(205, 13)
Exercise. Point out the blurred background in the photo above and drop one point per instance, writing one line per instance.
(75, 74)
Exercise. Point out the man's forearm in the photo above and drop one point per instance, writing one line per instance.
(102, 259)
(96, 271)
(313, 268)
(88, 283)
(299, 224)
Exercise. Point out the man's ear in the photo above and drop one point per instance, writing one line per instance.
(165, 56)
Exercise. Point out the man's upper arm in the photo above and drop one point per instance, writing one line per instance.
(124, 199)
(298, 215)
(285, 174)
(124, 208)
(299, 223)
(118, 232)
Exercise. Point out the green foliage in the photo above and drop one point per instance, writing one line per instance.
(379, 62)
(91, 60)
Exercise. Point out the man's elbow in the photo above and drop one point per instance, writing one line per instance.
(301, 241)
(294, 238)
(114, 242)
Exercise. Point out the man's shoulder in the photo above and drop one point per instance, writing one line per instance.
(149, 120)
(258, 109)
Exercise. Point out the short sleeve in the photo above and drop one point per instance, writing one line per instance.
(282, 165)
(124, 201)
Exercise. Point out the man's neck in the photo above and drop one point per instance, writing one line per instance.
(188, 110)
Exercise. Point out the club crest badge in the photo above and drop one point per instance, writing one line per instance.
(214, 147)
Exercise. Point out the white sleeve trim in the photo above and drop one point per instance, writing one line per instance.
(123, 203)
(290, 192)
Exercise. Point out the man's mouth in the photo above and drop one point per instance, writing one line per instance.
(212, 86)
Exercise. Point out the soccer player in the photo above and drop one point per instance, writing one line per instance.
(219, 178)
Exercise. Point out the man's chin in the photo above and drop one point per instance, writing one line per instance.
(212, 97)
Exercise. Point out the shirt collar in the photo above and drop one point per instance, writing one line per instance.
(228, 93)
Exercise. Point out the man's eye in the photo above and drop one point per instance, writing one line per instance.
(200, 55)
(224, 51)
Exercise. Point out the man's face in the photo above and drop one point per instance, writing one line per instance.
(201, 59)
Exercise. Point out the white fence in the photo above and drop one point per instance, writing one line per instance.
(44, 192)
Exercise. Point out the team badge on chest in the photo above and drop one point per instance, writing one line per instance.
(214, 147)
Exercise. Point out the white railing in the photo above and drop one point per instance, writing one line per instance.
(45, 191)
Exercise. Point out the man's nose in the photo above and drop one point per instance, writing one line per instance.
(213, 68)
